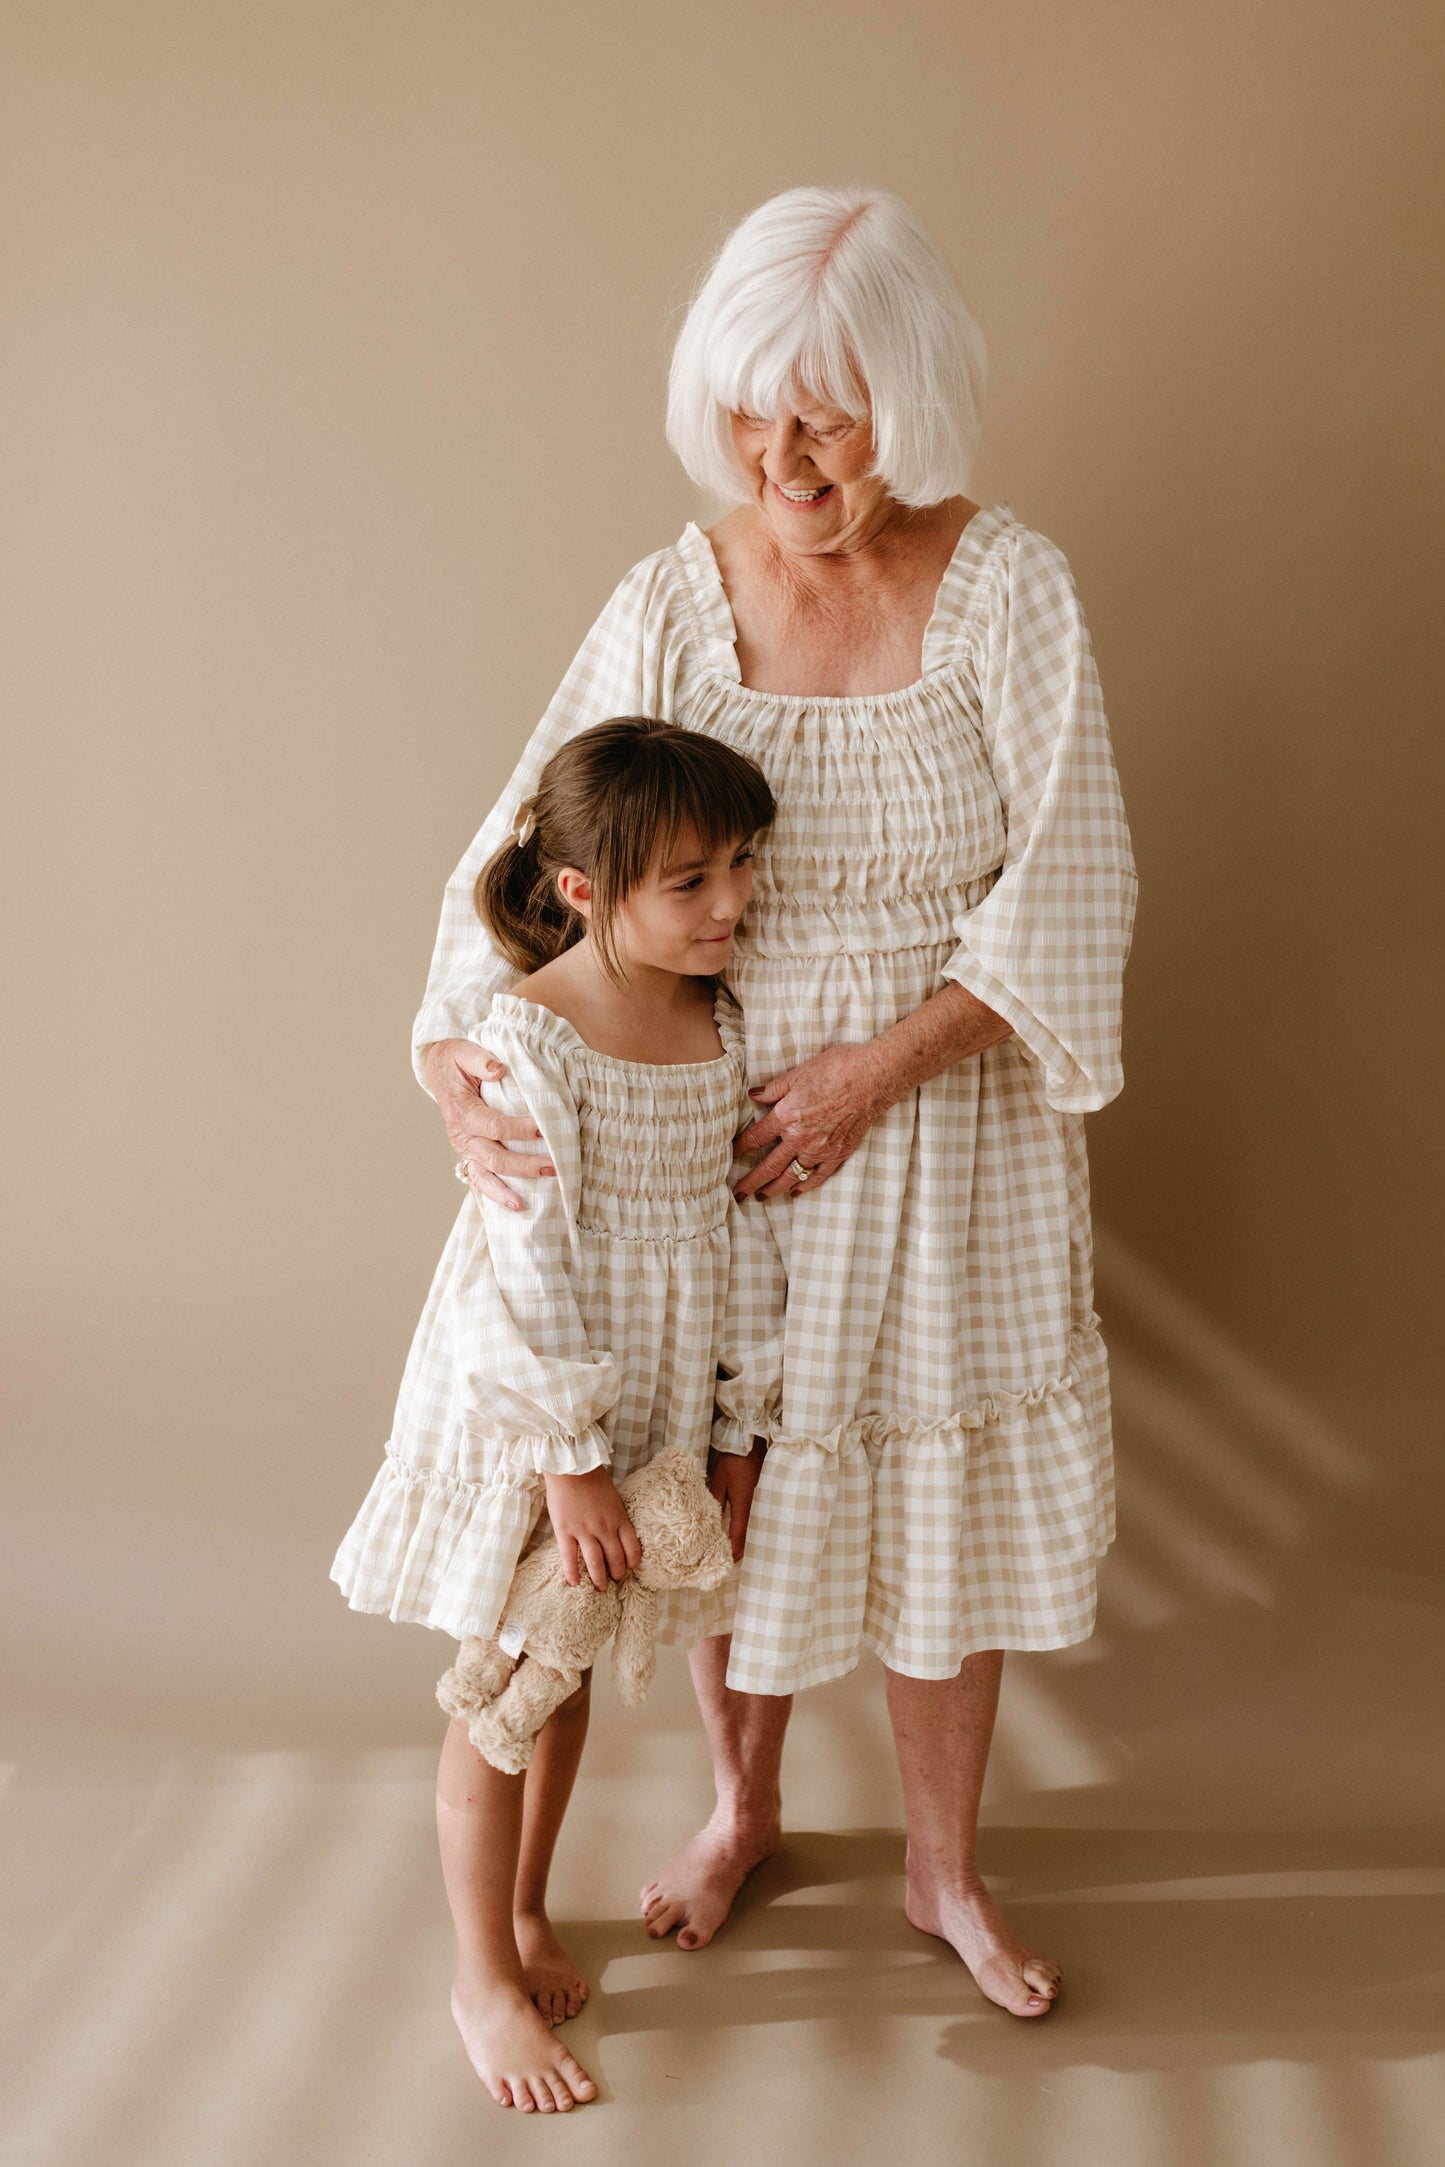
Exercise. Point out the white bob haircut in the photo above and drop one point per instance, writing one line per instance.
(842, 293)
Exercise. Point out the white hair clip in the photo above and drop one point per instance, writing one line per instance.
(527, 829)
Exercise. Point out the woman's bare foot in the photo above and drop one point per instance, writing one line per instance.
(513, 2051)
(970, 1921)
(555, 1984)
(695, 1892)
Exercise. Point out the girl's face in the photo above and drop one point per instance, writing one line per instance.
(682, 917)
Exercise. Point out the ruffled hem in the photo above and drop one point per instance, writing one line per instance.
(1085, 1345)
(429, 1549)
(926, 1540)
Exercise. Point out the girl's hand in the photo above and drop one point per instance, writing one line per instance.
(732, 1478)
(591, 1525)
(456, 1069)
(818, 1114)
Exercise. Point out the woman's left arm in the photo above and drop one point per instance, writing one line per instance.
(820, 1112)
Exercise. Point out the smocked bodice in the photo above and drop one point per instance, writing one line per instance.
(889, 820)
(655, 1140)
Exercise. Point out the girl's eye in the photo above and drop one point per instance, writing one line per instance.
(744, 857)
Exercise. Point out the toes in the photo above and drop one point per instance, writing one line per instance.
(501, 2091)
(522, 2099)
(663, 1919)
(577, 2078)
(652, 1890)
(561, 2097)
(1044, 1978)
(542, 2093)
(695, 1937)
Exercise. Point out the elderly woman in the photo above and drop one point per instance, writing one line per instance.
(930, 974)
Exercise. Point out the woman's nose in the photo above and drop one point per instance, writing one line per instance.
(781, 458)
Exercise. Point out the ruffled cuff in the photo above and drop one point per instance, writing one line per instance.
(734, 1433)
(555, 1455)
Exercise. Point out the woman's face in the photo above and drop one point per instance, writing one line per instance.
(809, 466)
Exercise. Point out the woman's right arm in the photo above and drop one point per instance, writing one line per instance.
(623, 667)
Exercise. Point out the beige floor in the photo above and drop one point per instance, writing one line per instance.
(1221, 1815)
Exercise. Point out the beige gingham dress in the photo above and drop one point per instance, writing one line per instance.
(916, 1339)
(580, 1332)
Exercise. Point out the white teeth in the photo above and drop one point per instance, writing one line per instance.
(803, 496)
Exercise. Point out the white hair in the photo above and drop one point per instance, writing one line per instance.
(843, 293)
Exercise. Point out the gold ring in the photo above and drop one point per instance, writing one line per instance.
(463, 1170)
(803, 1173)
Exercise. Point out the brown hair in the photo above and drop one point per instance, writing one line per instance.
(611, 803)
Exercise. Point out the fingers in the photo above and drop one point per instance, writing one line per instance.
(772, 1169)
(756, 1137)
(485, 1184)
(631, 1546)
(614, 1553)
(742, 1508)
(567, 1552)
(501, 1161)
(595, 1560)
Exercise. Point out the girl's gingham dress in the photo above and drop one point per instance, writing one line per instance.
(579, 1332)
(917, 1337)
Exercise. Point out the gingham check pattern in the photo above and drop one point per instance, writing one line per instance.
(581, 1332)
(917, 1338)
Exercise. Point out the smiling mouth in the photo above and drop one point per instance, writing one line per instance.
(803, 496)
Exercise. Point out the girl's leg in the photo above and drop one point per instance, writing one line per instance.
(479, 1829)
(746, 1732)
(552, 1979)
(942, 1729)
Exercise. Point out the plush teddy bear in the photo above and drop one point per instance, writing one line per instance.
(551, 1633)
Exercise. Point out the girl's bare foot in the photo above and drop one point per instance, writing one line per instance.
(695, 1892)
(555, 1984)
(969, 1920)
(513, 2051)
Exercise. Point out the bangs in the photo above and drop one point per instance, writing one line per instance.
(683, 783)
(758, 367)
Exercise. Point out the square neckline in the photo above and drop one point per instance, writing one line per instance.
(724, 630)
(618, 1060)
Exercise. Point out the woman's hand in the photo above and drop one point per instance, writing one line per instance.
(592, 1529)
(820, 1111)
(456, 1069)
(732, 1478)
(818, 1114)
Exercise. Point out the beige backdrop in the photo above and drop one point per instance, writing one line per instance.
(337, 346)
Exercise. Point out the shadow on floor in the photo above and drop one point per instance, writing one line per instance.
(1170, 1943)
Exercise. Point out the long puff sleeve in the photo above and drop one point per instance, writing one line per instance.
(525, 1375)
(625, 666)
(1047, 946)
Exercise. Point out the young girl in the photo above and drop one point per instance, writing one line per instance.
(565, 1344)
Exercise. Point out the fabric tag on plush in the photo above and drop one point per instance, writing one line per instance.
(512, 1639)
